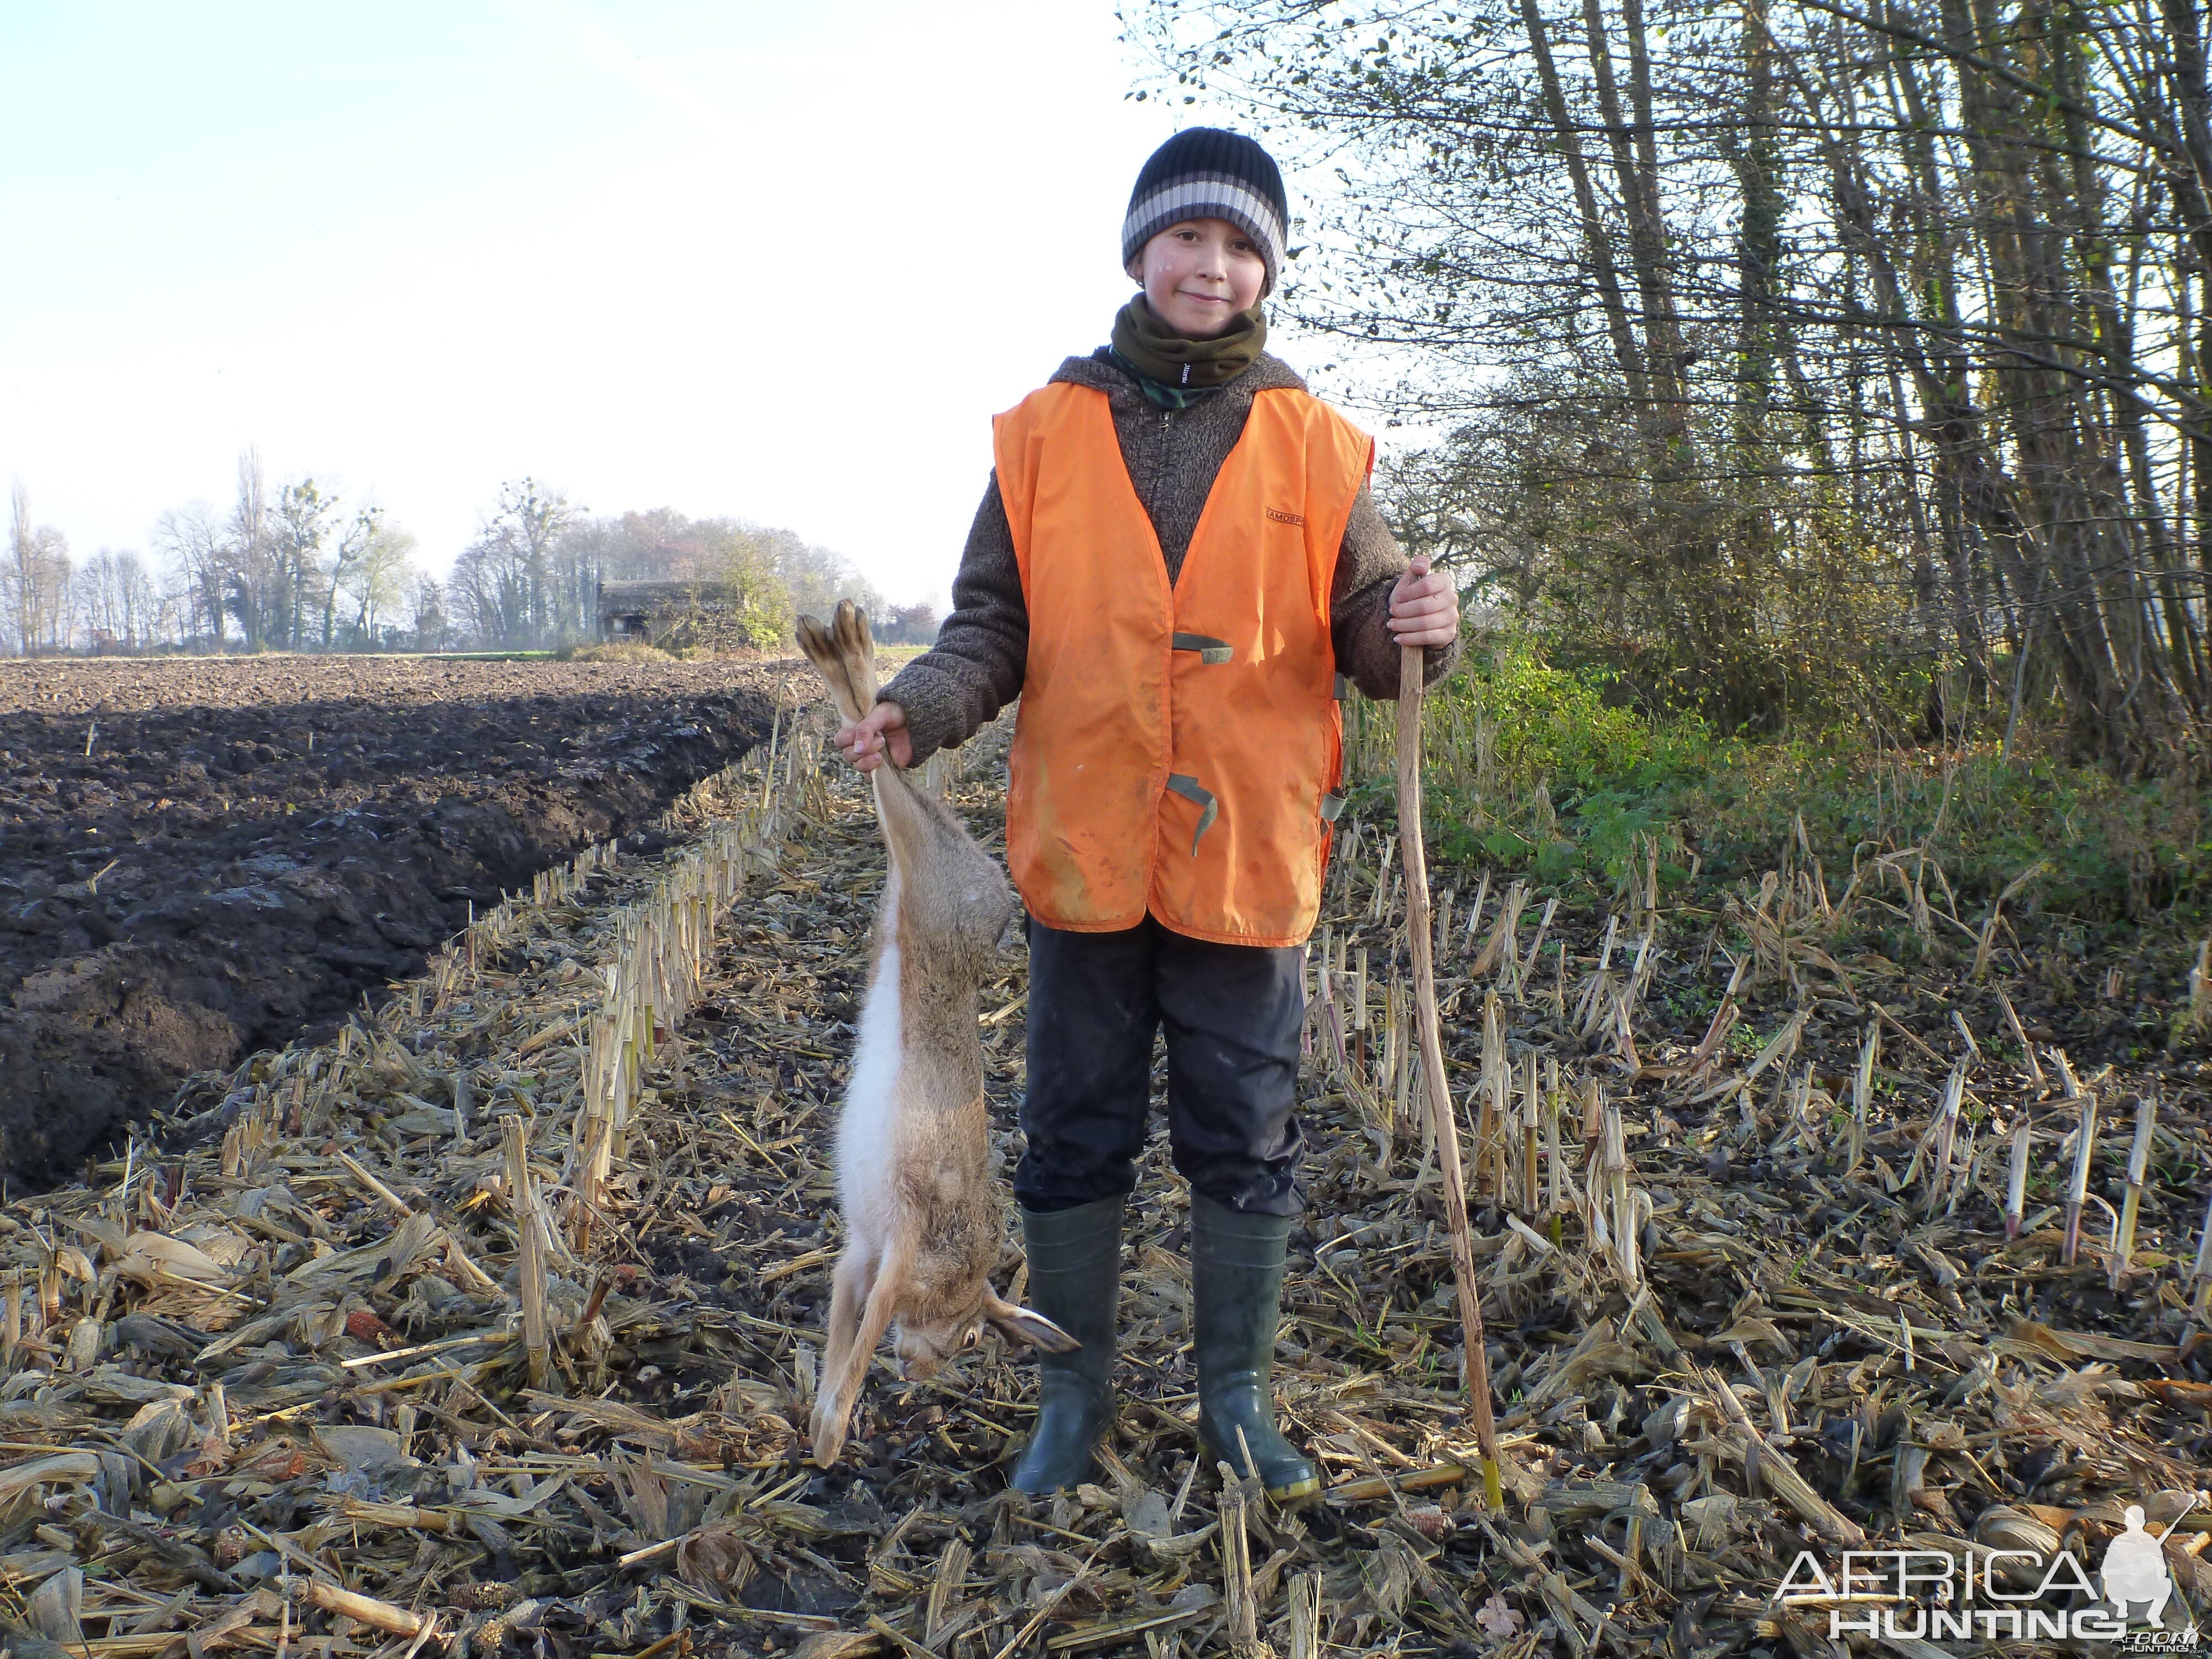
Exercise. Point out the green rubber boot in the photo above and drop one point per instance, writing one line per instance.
(1236, 1288)
(1075, 1281)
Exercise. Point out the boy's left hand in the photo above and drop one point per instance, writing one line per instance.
(1424, 607)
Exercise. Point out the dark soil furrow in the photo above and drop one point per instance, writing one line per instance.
(201, 858)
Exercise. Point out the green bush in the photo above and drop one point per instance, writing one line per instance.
(1537, 769)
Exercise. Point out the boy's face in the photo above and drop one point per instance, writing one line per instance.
(1199, 275)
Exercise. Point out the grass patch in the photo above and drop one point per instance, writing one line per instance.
(474, 656)
(1531, 768)
(614, 650)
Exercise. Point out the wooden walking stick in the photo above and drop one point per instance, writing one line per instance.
(1412, 662)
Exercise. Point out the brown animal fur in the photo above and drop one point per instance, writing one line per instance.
(923, 1224)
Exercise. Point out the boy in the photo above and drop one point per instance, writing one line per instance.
(1175, 561)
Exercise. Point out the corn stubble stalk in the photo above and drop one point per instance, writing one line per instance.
(1498, 951)
(1543, 926)
(2124, 1243)
(1532, 1124)
(1861, 1094)
(1333, 980)
(1360, 1018)
(1724, 1016)
(1474, 913)
(1622, 1207)
(1509, 961)
(661, 956)
(1495, 1092)
(1240, 1603)
(522, 1194)
(1555, 1197)
(2085, 1147)
(1987, 941)
(1941, 1133)
(2016, 1181)
(1391, 1085)
(2199, 1292)
(1378, 908)
(2020, 1035)
(1413, 662)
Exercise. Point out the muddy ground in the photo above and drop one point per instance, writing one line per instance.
(287, 1362)
(200, 858)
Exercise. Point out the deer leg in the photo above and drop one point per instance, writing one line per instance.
(848, 1296)
(843, 1386)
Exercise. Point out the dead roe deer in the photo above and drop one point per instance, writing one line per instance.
(915, 1181)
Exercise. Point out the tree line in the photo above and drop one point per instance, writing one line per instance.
(296, 567)
(1842, 356)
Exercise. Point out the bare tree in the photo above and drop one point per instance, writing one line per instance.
(505, 579)
(254, 589)
(190, 541)
(116, 600)
(373, 579)
(1854, 350)
(429, 624)
(36, 584)
(300, 526)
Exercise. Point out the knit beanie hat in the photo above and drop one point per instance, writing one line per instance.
(1207, 173)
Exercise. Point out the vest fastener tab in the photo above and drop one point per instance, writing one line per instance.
(1192, 790)
(1332, 807)
(1343, 685)
(1210, 650)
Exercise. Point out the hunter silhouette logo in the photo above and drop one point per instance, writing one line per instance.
(2134, 1569)
(1934, 1595)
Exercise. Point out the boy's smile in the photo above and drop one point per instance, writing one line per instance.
(1200, 275)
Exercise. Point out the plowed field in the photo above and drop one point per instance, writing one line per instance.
(200, 857)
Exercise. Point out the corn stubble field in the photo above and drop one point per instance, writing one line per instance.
(487, 1326)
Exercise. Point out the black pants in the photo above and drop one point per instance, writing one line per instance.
(1231, 1013)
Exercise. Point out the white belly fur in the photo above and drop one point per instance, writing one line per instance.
(867, 1129)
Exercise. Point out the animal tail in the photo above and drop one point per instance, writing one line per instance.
(844, 653)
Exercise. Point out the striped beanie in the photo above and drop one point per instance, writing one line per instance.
(1207, 173)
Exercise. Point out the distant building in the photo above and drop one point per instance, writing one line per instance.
(674, 615)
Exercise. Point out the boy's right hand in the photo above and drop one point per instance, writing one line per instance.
(867, 741)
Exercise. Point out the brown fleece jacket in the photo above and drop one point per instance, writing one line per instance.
(975, 668)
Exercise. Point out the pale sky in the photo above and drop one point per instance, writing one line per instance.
(777, 261)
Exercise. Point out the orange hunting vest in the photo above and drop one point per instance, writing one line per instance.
(1177, 749)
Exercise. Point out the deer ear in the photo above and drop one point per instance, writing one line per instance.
(1027, 1325)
